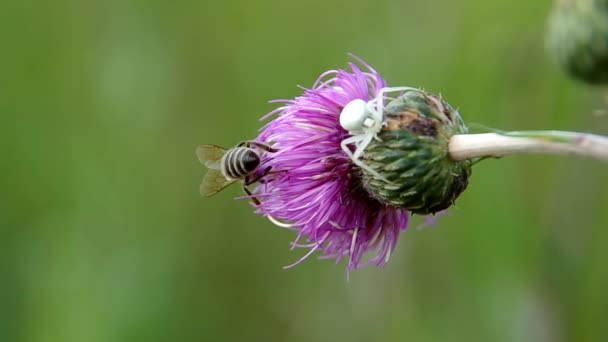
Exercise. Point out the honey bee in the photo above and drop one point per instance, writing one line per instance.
(226, 166)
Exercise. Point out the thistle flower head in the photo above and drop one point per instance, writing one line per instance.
(353, 161)
(314, 187)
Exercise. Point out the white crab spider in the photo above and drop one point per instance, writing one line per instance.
(364, 120)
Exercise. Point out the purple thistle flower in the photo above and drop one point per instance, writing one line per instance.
(314, 187)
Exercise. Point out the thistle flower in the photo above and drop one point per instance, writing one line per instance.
(315, 189)
(577, 36)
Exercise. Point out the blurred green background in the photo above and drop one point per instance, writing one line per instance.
(104, 237)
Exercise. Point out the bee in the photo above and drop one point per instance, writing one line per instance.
(226, 166)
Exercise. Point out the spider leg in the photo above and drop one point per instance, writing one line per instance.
(363, 142)
(358, 140)
(364, 166)
(386, 90)
(344, 144)
(382, 94)
(374, 111)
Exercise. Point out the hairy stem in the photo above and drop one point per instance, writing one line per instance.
(470, 146)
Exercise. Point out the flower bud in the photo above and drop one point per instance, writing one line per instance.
(577, 36)
(411, 153)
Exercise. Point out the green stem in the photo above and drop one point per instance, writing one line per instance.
(470, 146)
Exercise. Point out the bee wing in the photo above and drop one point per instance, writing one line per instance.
(213, 182)
(210, 155)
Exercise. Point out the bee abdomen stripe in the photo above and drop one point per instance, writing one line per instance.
(229, 163)
(241, 160)
(237, 162)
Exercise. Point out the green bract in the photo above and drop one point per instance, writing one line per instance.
(412, 154)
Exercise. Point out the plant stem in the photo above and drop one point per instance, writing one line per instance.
(469, 146)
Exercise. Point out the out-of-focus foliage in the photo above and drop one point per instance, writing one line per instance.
(103, 236)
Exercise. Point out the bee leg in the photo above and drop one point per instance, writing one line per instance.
(249, 181)
(253, 198)
(249, 143)
(273, 172)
